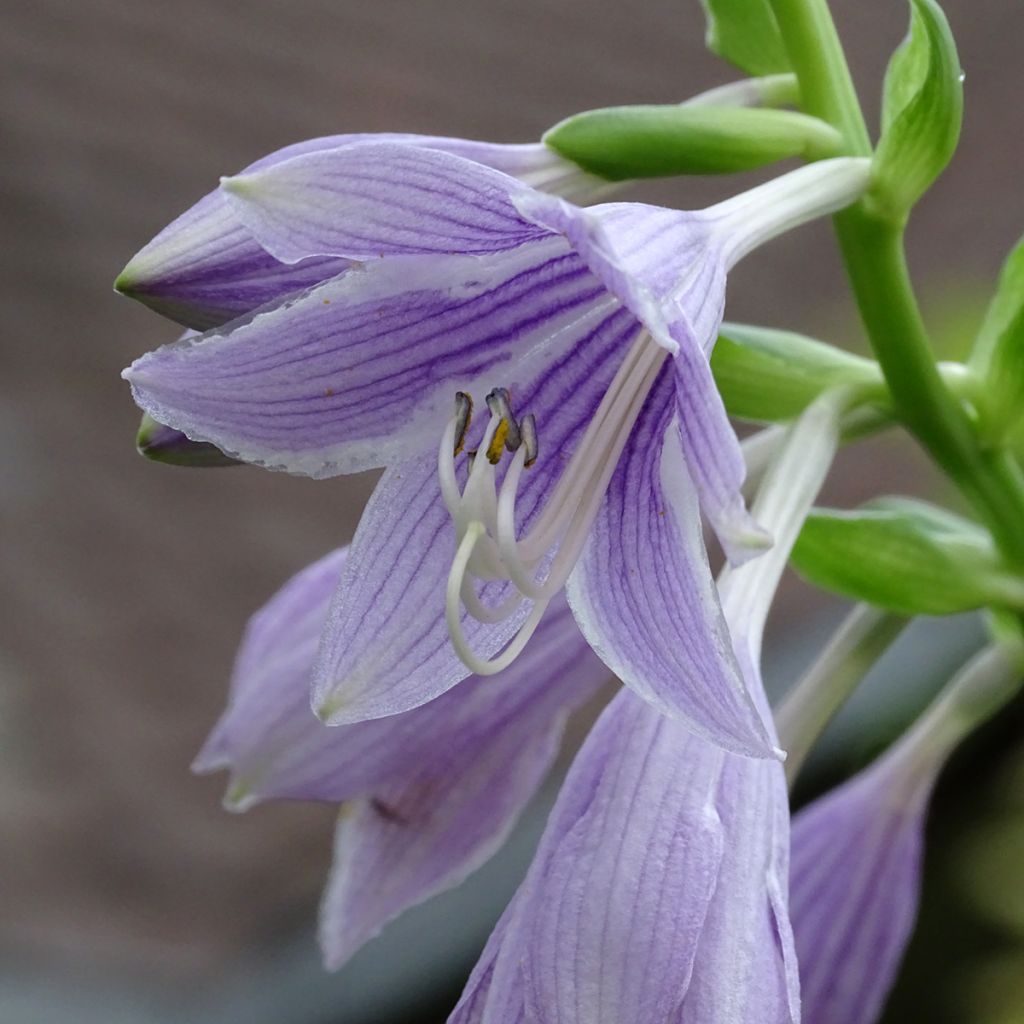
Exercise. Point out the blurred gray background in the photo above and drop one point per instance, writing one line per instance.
(127, 893)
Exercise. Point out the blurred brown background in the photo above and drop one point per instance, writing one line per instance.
(124, 584)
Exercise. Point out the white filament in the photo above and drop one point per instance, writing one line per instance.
(539, 563)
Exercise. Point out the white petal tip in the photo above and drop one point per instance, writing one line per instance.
(207, 764)
(333, 960)
(329, 709)
(239, 797)
(746, 542)
(238, 184)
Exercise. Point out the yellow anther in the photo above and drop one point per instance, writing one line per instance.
(497, 445)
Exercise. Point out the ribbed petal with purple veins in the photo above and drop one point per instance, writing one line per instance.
(386, 646)
(663, 264)
(856, 872)
(379, 199)
(449, 814)
(433, 792)
(644, 573)
(619, 889)
(855, 883)
(362, 370)
(745, 971)
(666, 266)
(586, 926)
(455, 798)
(205, 269)
(657, 893)
(275, 747)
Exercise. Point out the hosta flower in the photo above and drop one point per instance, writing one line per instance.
(426, 796)
(205, 269)
(583, 335)
(658, 894)
(857, 851)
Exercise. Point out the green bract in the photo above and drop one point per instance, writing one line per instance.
(998, 354)
(904, 555)
(746, 33)
(618, 143)
(921, 112)
(771, 375)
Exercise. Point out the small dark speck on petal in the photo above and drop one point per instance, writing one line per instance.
(387, 812)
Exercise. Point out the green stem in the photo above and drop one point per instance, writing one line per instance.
(816, 53)
(873, 252)
(860, 641)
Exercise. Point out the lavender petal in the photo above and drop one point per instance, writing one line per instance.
(363, 369)
(644, 597)
(204, 269)
(667, 266)
(386, 647)
(378, 199)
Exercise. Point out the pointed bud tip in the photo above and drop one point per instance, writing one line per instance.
(158, 443)
(127, 282)
(238, 184)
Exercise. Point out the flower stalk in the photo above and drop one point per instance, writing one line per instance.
(873, 252)
(862, 638)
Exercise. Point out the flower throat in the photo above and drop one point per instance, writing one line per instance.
(539, 563)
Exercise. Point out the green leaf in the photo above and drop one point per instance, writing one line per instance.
(771, 376)
(906, 556)
(745, 33)
(998, 353)
(618, 143)
(922, 108)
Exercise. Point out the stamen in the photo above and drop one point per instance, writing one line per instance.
(499, 401)
(494, 449)
(453, 617)
(539, 563)
(463, 418)
(528, 429)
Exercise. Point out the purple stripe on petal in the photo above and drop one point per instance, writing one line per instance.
(713, 456)
(386, 647)
(856, 876)
(745, 970)
(657, 893)
(274, 746)
(205, 269)
(378, 199)
(644, 597)
(446, 817)
(364, 368)
(622, 880)
(665, 265)
(433, 792)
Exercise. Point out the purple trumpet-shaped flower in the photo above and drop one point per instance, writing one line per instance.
(588, 330)
(659, 892)
(427, 796)
(857, 851)
(205, 268)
